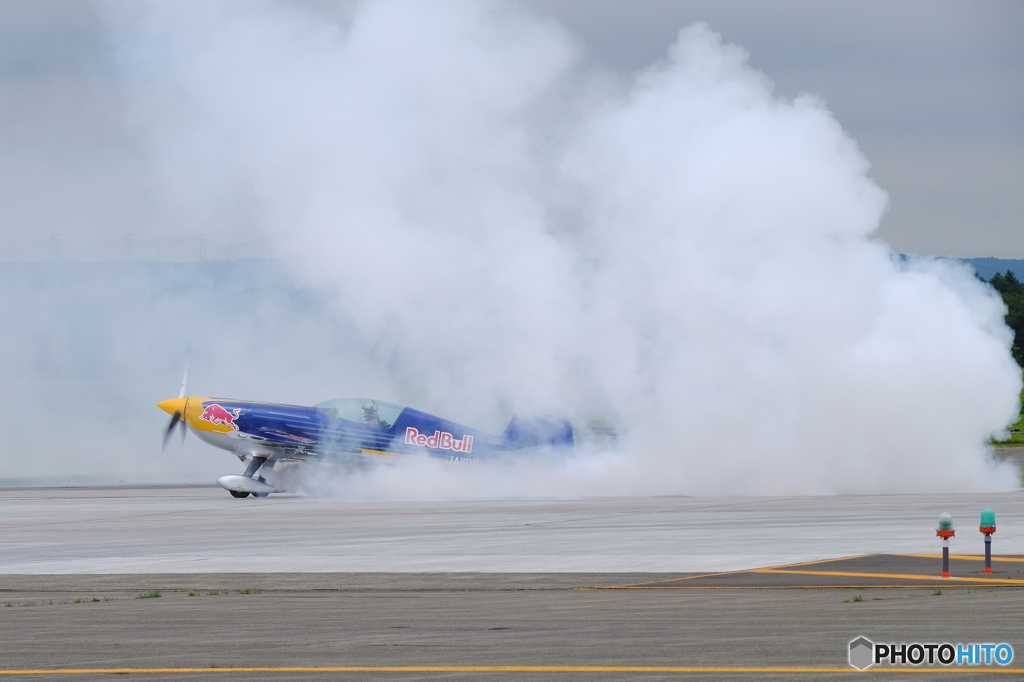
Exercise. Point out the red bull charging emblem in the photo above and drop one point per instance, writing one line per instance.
(215, 414)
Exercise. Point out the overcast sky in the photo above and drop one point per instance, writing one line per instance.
(931, 90)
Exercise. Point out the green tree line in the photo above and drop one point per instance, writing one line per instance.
(1012, 291)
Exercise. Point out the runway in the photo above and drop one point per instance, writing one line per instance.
(406, 626)
(203, 530)
(186, 582)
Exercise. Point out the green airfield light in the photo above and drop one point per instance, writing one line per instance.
(945, 531)
(988, 526)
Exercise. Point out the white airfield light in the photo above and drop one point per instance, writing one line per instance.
(945, 531)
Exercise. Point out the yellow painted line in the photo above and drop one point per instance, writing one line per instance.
(748, 570)
(505, 669)
(964, 557)
(822, 561)
(674, 580)
(792, 587)
(662, 584)
(897, 576)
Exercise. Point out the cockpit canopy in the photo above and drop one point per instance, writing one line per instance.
(362, 411)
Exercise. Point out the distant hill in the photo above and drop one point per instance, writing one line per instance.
(986, 267)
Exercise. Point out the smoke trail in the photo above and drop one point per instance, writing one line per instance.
(686, 252)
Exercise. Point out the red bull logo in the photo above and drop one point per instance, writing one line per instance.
(441, 440)
(215, 414)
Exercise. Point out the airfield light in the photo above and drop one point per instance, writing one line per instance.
(945, 531)
(988, 526)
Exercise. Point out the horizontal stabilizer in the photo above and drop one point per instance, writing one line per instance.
(244, 484)
(531, 433)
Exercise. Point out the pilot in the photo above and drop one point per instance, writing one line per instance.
(371, 415)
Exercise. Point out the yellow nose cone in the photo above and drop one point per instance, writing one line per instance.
(175, 405)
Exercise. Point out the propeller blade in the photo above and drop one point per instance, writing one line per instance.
(175, 419)
(184, 431)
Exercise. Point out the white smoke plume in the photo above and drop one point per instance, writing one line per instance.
(509, 229)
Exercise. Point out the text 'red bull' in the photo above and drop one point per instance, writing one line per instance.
(215, 414)
(441, 440)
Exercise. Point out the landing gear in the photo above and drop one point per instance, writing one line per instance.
(254, 464)
(244, 485)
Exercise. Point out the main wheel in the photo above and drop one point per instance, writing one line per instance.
(235, 493)
(260, 494)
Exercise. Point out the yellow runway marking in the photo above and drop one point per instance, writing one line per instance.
(505, 669)
(821, 561)
(964, 557)
(745, 570)
(783, 569)
(896, 576)
(953, 585)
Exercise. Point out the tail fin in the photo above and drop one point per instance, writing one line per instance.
(529, 433)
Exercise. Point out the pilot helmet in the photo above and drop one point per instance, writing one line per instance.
(370, 411)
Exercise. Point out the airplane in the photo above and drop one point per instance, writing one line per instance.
(351, 431)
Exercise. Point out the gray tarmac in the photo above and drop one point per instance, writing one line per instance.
(204, 530)
(500, 583)
(454, 620)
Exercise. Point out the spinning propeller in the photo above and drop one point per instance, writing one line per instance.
(176, 418)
